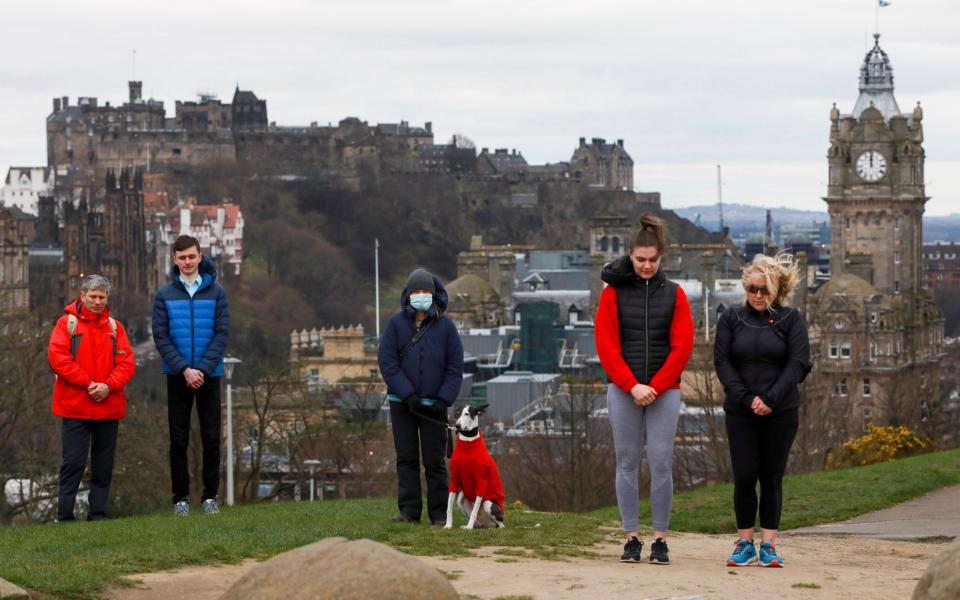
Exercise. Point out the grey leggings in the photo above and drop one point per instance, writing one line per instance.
(631, 424)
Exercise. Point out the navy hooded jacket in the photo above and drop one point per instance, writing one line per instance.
(433, 368)
(192, 332)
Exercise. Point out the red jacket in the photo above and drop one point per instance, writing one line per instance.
(473, 471)
(607, 335)
(99, 358)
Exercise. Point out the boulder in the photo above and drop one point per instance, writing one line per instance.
(11, 591)
(340, 569)
(941, 581)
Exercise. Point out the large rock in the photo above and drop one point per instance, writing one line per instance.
(942, 578)
(11, 591)
(344, 570)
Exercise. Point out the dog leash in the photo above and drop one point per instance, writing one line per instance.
(447, 439)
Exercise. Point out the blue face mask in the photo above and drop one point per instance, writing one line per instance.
(421, 301)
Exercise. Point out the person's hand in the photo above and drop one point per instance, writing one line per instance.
(413, 402)
(760, 408)
(643, 395)
(439, 410)
(193, 377)
(98, 391)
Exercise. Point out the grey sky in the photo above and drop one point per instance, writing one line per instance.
(688, 84)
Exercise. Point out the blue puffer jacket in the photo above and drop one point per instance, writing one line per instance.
(433, 368)
(192, 332)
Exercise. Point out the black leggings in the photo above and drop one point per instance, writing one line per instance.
(758, 450)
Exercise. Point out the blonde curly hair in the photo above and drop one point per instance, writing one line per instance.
(781, 273)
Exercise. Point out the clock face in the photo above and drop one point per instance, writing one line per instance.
(871, 166)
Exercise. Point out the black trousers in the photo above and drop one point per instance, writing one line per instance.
(758, 451)
(180, 400)
(76, 437)
(414, 438)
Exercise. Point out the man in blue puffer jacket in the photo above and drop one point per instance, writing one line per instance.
(423, 376)
(191, 326)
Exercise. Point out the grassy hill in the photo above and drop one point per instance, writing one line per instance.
(78, 560)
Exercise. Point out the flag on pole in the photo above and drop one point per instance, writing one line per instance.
(884, 3)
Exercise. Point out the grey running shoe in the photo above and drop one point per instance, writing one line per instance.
(210, 506)
(182, 508)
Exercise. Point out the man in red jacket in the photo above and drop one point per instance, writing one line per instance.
(92, 358)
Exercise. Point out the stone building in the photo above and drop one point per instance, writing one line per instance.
(494, 264)
(603, 165)
(941, 267)
(328, 355)
(473, 303)
(16, 233)
(876, 334)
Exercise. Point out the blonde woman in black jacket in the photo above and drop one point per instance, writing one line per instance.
(761, 353)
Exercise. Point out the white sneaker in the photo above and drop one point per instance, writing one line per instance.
(182, 508)
(210, 506)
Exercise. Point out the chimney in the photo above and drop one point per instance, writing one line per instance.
(620, 143)
(485, 151)
(56, 105)
(66, 101)
(428, 126)
(583, 142)
(136, 91)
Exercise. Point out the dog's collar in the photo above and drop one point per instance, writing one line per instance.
(469, 433)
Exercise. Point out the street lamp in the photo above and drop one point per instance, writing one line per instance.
(312, 463)
(229, 363)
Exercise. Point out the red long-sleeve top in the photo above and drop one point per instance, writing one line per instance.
(607, 335)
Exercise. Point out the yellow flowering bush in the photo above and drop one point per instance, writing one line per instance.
(883, 444)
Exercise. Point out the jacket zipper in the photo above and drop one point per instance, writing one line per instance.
(193, 346)
(646, 332)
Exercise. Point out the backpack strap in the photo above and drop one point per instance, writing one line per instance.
(74, 342)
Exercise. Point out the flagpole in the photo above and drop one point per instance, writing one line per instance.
(376, 274)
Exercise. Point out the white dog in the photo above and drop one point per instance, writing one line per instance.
(474, 478)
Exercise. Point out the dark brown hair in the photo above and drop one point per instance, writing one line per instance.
(650, 234)
(184, 242)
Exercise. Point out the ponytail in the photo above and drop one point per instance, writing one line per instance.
(651, 234)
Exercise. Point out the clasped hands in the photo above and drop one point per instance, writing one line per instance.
(98, 391)
(194, 378)
(643, 395)
(759, 407)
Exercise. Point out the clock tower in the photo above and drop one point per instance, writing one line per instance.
(875, 193)
(876, 335)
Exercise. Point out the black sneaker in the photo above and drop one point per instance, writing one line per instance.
(632, 550)
(659, 553)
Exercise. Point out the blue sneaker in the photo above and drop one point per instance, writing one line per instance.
(744, 554)
(769, 557)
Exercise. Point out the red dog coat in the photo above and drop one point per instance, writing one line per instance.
(473, 471)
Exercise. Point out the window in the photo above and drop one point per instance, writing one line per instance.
(841, 387)
(846, 223)
(834, 350)
(845, 350)
(603, 244)
(923, 380)
(896, 258)
(615, 246)
(896, 287)
(866, 387)
(873, 350)
(867, 413)
(873, 317)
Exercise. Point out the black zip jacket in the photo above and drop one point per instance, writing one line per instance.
(762, 354)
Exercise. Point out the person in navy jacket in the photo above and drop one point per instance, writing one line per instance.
(191, 327)
(421, 359)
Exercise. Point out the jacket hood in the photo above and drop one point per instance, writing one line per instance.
(439, 300)
(620, 273)
(76, 309)
(207, 271)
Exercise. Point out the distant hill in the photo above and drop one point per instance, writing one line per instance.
(743, 219)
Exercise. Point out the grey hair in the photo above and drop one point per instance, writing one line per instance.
(95, 282)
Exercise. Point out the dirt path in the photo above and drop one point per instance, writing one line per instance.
(817, 567)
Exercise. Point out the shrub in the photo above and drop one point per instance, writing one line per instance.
(882, 444)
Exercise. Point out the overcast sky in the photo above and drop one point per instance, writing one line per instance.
(687, 84)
